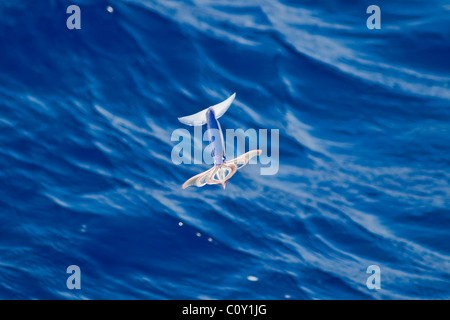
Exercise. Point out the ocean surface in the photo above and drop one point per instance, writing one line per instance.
(86, 176)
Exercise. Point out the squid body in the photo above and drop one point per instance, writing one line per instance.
(222, 170)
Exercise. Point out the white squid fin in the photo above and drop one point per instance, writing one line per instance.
(199, 118)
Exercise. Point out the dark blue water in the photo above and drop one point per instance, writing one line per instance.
(87, 179)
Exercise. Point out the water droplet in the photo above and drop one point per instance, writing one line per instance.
(198, 234)
(252, 278)
(210, 239)
(110, 9)
(180, 224)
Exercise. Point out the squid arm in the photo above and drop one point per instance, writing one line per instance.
(220, 174)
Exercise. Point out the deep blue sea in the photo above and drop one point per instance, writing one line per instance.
(86, 176)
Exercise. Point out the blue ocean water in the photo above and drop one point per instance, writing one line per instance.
(86, 118)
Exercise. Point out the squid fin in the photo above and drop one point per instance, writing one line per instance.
(199, 118)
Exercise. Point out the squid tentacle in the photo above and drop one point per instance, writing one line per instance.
(220, 174)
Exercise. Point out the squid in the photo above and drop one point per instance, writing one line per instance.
(223, 169)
